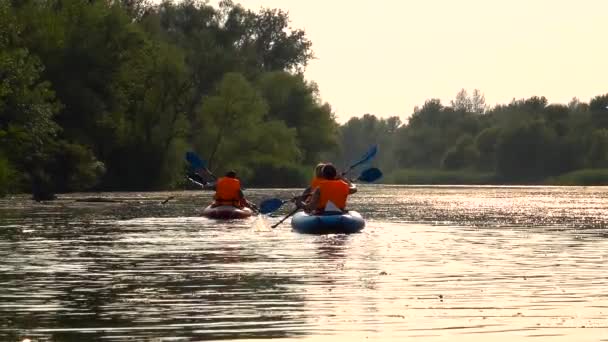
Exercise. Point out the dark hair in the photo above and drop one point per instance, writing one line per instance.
(329, 171)
(231, 174)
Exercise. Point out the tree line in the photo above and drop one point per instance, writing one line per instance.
(526, 141)
(109, 94)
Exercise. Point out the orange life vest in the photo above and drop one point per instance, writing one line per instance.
(335, 191)
(316, 182)
(227, 191)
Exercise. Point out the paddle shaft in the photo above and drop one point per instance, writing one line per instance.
(285, 218)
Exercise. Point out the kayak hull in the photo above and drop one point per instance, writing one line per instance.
(226, 212)
(348, 223)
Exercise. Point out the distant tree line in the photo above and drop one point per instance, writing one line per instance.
(525, 141)
(109, 94)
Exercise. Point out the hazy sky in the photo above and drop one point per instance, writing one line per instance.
(386, 56)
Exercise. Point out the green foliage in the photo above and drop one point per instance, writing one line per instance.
(120, 89)
(598, 151)
(358, 134)
(462, 155)
(486, 142)
(599, 111)
(523, 150)
(525, 141)
(30, 138)
(74, 168)
(269, 173)
(7, 176)
(110, 94)
(294, 101)
(581, 177)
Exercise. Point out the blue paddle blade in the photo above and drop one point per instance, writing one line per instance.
(370, 175)
(371, 153)
(195, 161)
(270, 205)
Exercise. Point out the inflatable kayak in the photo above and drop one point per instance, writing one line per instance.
(332, 223)
(226, 212)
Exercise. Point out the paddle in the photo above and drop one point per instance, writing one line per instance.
(285, 218)
(273, 204)
(270, 205)
(370, 175)
(197, 163)
(197, 182)
(371, 153)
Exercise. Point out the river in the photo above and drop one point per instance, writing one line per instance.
(434, 263)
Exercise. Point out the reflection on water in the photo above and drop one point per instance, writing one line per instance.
(434, 263)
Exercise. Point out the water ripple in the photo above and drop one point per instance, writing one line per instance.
(434, 263)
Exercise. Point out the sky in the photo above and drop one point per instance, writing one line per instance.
(385, 57)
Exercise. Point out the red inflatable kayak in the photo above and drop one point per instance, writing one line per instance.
(226, 212)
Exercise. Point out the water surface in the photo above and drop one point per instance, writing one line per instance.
(433, 264)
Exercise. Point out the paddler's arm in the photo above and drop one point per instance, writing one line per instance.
(314, 202)
(352, 188)
(210, 186)
(303, 196)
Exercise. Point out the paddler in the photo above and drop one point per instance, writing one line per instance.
(228, 192)
(316, 180)
(332, 192)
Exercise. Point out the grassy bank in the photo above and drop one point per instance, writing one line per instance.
(581, 177)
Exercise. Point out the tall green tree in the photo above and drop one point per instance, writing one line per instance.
(31, 139)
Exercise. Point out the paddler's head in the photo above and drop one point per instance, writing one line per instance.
(329, 171)
(231, 174)
(319, 170)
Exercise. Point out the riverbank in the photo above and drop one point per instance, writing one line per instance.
(584, 177)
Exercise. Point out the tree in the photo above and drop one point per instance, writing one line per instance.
(476, 103)
(598, 152)
(599, 111)
(463, 154)
(526, 151)
(486, 142)
(30, 138)
(462, 101)
(296, 102)
(231, 123)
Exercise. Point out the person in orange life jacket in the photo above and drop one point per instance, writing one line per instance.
(316, 180)
(334, 189)
(228, 191)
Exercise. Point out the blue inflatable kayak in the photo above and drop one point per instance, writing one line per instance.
(333, 223)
